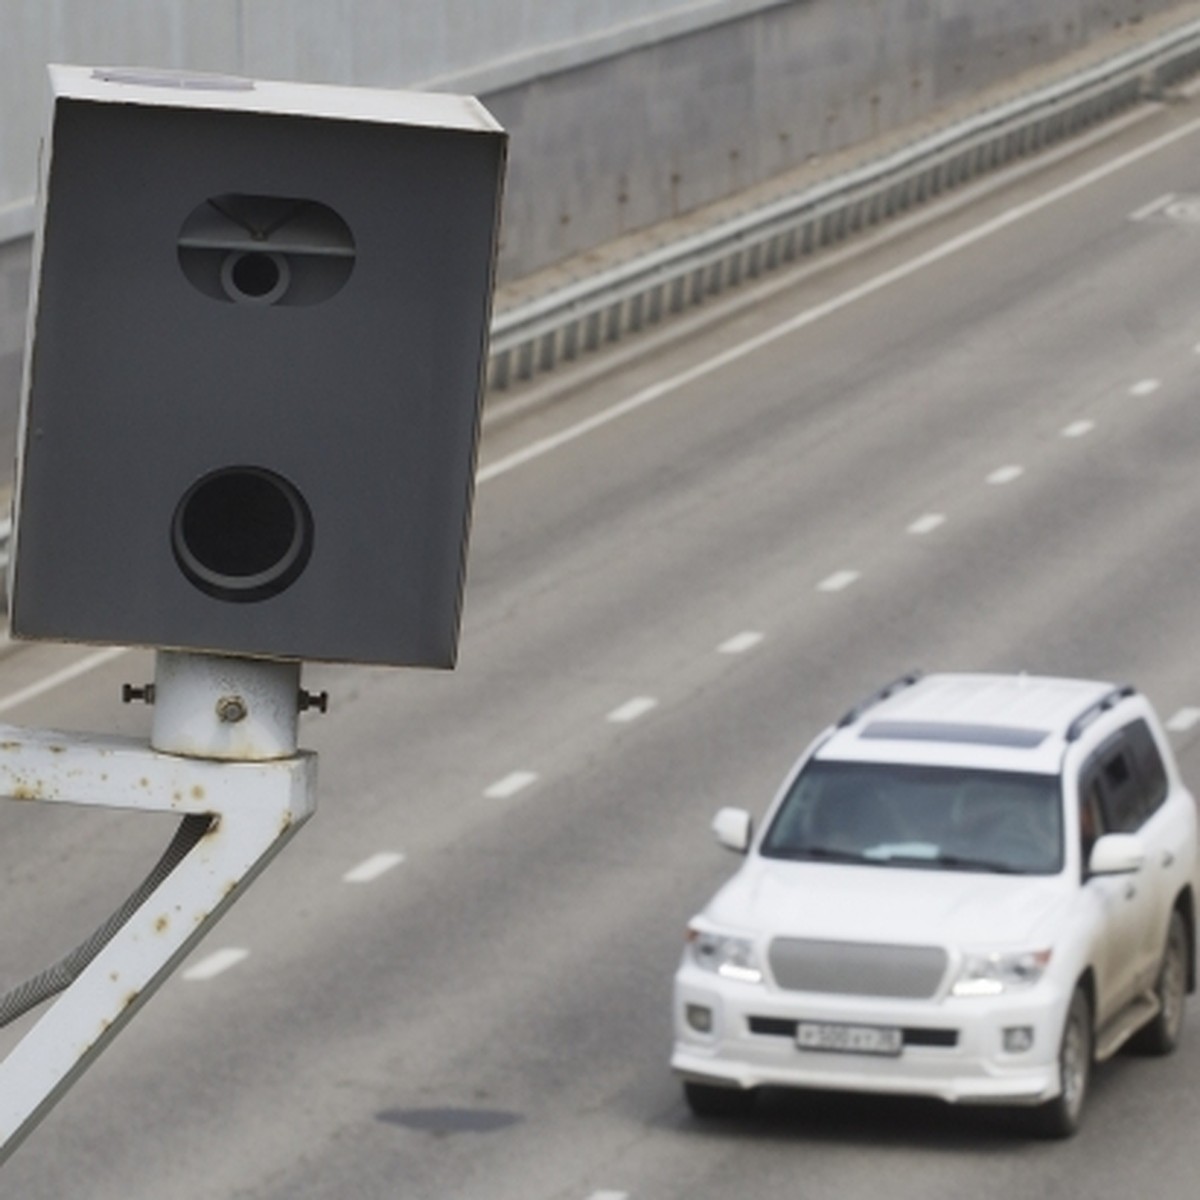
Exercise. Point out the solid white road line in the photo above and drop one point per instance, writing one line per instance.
(215, 964)
(90, 663)
(1144, 387)
(371, 868)
(1078, 429)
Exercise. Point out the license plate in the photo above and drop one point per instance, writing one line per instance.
(848, 1039)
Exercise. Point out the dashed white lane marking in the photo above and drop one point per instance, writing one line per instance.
(609, 1196)
(90, 663)
(371, 868)
(215, 964)
(740, 642)
(1006, 474)
(1144, 387)
(510, 785)
(1078, 429)
(1184, 720)
(838, 581)
(927, 524)
(639, 706)
(1148, 210)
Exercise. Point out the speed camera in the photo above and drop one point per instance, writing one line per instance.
(257, 341)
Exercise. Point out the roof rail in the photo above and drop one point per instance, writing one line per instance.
(888, 689)
(1094, 709)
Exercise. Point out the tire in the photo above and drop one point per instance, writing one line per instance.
(1060, 1117)
(1163, 1034)
(718, 1102)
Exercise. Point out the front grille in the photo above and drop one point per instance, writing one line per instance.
(783, 1027)
(857, 968)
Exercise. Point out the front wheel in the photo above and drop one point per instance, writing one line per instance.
(1060, 1117)
(1162, 1035)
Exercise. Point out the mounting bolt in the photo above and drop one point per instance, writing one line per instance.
(231, 709)
(318, 700)
(129, 693)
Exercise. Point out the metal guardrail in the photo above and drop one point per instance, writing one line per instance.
(565, 324)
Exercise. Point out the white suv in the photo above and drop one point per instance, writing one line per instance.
(972, 887)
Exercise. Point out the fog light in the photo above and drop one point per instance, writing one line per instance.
(699, 1017)
(1018, 1039)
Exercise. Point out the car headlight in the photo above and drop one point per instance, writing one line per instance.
(993, 974)
(725, 955)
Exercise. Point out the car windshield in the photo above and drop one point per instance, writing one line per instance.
(938, 818)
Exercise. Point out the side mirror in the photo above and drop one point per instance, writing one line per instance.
(1117, 854)
(733, 827)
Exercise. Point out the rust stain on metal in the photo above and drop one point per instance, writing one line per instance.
(214, 826)
(162, 924)
(197, 792)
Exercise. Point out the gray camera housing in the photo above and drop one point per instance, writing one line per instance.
(257, 341)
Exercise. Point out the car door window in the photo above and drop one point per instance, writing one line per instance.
(1126, 778)
(1121, 797)
(1148, 766)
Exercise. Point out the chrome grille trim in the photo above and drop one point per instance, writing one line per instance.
(857, 968)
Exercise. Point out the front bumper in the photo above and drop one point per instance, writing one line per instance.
(953, 1048)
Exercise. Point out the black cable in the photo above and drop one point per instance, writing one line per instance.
(62, 974)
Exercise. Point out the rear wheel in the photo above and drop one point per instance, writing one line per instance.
(1162, 1035)
(1060, 1117)
(705, 1100)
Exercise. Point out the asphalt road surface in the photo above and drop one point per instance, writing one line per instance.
(973, 444)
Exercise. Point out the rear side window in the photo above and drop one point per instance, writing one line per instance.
(1129, 778)
(1148, 765)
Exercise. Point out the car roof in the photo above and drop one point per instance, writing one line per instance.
(989, 721)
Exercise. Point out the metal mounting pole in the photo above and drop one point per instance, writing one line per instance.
(223, 746)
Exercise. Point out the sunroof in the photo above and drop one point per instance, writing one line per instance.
(1008, 736)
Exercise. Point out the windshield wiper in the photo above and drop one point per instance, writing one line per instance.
(952, 862)
(819, 853)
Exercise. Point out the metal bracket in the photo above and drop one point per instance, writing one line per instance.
(255, 804)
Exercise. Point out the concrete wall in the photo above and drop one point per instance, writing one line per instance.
(622, 112)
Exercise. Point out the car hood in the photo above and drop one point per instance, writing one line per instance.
(889, 904)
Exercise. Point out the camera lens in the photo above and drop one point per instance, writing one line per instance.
(255, 276)
(242, 534)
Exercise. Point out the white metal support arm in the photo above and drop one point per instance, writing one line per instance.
(255, 805)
